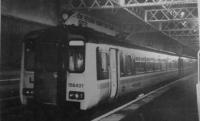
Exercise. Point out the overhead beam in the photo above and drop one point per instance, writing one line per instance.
(179, 25)
(165, 19)
(143, 3)
(168, 14)
(96, 4)
(182, 32)
(187, 38)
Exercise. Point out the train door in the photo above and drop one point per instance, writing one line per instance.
(113, 73)
(49, 74)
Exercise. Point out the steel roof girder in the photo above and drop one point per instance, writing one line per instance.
(182, 33)
(186, 38)
(92, 4)
(179, 25)
(139, 3)
(134, 9)
(87, 4)
(138, 12)
(155, 15)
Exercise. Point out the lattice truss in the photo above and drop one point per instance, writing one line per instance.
(176, 18)
(179, 23)
(79, 4)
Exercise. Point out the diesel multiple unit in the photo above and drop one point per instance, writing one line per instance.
(80, 65)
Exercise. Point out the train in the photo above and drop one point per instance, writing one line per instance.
(82, 66)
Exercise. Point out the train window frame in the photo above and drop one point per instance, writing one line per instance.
(79, 43)
(133, 65)
(149, 65)
(100, 74)
(138, 62)
(122, 65)
(128, 60)
(157, 65)
(28, 48)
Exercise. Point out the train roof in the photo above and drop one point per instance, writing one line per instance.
(102, 38)
(62, 33)
(51, 34)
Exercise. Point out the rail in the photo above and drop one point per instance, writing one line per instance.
(6, 80)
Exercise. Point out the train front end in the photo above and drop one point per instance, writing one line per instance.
(44, 67)
(76, 72)
(53, 69)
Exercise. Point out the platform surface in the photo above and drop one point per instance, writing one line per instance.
(177, 104)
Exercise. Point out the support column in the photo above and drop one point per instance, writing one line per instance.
(0, 44)
(198, 84)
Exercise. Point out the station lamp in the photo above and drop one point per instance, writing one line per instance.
(65, 15)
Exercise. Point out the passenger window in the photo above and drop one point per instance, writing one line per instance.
(29, 55)
(122, 65)
(140, 65)
(128, 65)
(76, 59)
(157, 65)
(102, 65)
(169, 65)
(163, 68)
(149, 65)
(132, 66)
(175, 64)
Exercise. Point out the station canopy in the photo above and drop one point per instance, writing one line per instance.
(178, 19)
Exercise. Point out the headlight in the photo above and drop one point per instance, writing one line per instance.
(28, 91)
(76, 95)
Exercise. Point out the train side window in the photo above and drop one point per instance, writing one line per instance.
(149, 65)
(175, 64)
(157, 65)
(132, 65)
(128, 64)
(29, 55)
(102, 65)
(163, 65)
(140, 65)
(169, 65)
(76, 59)
(122, 65)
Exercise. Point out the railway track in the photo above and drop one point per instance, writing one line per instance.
(9, 94)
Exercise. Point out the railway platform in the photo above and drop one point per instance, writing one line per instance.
(175, 101)
(177, 104)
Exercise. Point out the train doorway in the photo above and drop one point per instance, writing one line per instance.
(113, 72)
(49, 74)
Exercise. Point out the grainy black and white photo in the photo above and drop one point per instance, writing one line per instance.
(100, 60)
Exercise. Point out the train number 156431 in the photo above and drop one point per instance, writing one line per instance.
(75, 85)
